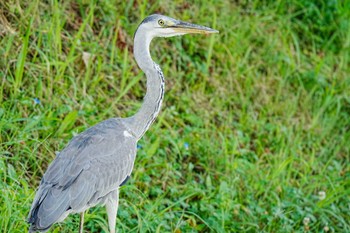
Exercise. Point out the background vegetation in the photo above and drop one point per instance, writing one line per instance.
(254, 131)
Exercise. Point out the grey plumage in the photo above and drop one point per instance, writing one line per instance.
(72, 182)
(92, 167)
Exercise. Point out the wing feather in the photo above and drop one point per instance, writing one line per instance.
(92, 165)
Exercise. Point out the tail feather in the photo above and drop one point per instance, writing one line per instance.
(48, 210)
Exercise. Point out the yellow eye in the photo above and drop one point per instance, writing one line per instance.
(161, 22)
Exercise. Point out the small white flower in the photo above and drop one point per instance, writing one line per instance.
(321, 195)
(306, 221)
(326, 228)
(86, 58)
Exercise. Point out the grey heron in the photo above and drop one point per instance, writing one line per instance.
(95, 163)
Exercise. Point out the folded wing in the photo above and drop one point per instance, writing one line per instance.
(92, 165)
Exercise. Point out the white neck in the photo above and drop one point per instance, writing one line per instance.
(142, 120)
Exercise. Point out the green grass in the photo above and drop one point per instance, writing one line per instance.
(255, 122)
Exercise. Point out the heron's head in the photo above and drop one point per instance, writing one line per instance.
(163, 26)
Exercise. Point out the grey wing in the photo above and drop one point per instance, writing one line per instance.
(93, 164)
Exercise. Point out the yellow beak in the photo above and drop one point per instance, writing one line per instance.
(184, 27)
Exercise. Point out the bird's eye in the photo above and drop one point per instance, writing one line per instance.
(161, 22)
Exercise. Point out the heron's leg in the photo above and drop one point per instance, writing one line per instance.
(81, 223)
(112, 209)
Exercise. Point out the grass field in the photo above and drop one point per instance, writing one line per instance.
(254, 131)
